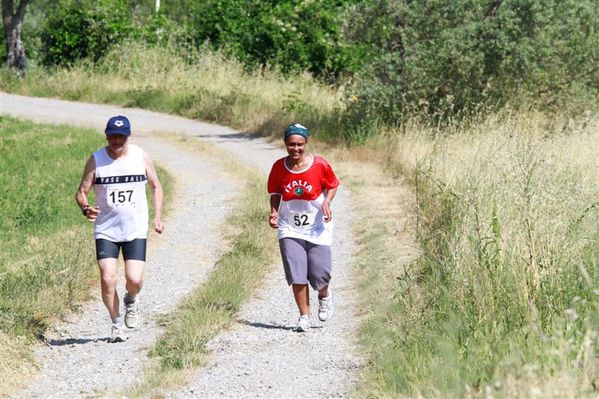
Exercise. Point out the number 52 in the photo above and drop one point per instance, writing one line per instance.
(300, 220)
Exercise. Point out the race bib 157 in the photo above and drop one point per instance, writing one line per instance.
(120, 197)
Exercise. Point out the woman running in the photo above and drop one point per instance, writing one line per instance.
(302, 187)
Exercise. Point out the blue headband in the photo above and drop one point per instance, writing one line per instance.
(297, 129)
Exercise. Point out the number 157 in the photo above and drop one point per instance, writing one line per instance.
(121, 196)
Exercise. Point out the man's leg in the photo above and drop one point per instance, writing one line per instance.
(107, 253)
(134, 253)
(134, 280)
(111, 298)
(108, 278)
(134, 271)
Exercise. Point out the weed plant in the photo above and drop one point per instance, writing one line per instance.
(503, 301)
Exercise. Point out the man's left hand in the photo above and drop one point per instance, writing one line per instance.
(158, 226)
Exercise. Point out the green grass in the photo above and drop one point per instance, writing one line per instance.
(46, 254)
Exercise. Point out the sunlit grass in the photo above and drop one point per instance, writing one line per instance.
(505, 291)
(503, 298)
(198, 84)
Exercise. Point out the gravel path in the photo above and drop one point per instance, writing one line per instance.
(262, 357)
(77, 359)
(259, 356)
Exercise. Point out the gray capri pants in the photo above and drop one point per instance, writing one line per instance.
(306, 262)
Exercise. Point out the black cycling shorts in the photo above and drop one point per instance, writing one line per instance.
(135, 250)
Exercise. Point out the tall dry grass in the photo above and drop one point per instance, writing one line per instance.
(194, 83)
(504, 299)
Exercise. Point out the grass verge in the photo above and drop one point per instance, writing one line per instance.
(46, 266)
(44, 261)
(504, 300)
(212, 307)
(383, 211)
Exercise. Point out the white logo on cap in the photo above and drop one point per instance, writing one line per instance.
(118, 123)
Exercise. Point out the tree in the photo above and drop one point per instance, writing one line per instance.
(12, 21)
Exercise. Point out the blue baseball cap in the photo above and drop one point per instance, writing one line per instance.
(298, 129)
(118, 125)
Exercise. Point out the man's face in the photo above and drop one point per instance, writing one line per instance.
(116, 142)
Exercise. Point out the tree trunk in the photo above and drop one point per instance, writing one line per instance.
(12, 21)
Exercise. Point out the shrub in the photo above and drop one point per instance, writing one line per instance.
(294, 35)
(452, 58)
(80, 29)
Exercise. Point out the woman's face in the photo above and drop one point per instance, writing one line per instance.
(295, 145)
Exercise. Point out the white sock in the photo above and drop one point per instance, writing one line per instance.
(117, 321)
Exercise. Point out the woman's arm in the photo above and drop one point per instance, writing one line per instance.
(326, 204)
(273, 219)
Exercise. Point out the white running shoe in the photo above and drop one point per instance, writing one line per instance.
(132, 315)
(303, 323)
(325, 307)
(117, 334)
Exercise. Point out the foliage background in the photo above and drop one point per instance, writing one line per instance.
(395, 60)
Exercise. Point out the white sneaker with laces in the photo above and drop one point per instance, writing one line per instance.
(325, 307)
(303, 323)
(117, 334)
(132, 315)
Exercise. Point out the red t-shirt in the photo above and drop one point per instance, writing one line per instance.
(300, 213)
(305, 185)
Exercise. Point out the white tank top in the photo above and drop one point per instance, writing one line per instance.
(120, 188)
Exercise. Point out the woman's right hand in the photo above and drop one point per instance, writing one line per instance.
(273, 220)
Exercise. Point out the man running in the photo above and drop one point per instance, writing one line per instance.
(119, 173)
